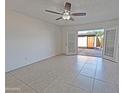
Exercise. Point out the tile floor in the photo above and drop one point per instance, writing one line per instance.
(65, 74)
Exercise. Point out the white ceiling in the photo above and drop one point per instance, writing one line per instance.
(97, 10)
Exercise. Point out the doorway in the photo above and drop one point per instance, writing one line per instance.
(90, 42)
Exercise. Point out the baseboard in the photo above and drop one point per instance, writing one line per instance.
(111, 60)
(34, 62)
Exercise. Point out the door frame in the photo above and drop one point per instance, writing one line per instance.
(76, 52)
(115, 46)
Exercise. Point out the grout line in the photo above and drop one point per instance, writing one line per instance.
(83, 66)
(80, 70)
(94, 78)
(29, 86)
(50, 84)
(76, 87)
(23, 82)
(88, 76)
(99, 79)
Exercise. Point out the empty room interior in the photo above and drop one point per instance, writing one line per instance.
(62, 46)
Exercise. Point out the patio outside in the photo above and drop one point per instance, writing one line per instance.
(90, 43)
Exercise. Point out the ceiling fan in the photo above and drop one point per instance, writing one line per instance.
(66, 14)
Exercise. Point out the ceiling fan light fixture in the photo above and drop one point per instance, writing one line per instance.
(66, 16)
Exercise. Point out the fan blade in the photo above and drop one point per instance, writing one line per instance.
(78, 14)
(59, 18)
(53, 12)
(68, 6)
(71, 19)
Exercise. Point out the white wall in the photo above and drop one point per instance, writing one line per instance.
(91, 26)
(29, 40)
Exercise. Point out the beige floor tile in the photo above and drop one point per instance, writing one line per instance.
(89, 70)
(14, 85)
(83, 82)
(61, 87)
(102, 87)
(107, 71)
(65, 74)
(42, 83)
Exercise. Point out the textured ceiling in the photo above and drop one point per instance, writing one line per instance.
(97, 10)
